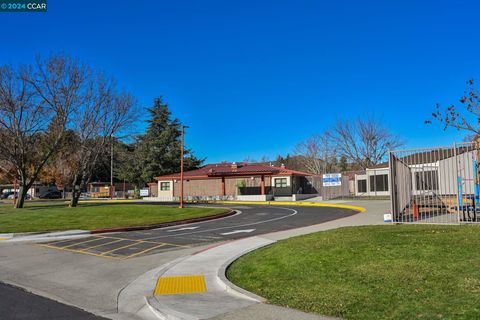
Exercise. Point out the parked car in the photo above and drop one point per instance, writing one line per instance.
(51, 195)
(10, 196)
(5, 195)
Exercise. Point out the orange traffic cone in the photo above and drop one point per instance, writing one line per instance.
(415, 210)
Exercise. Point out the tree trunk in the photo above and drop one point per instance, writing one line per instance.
(75, 193)
(22, 193)
(75, 197)
(78, 182)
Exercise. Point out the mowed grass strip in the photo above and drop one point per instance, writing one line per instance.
(378, 272)
(56, 216)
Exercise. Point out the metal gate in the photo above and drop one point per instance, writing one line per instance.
(435, 185)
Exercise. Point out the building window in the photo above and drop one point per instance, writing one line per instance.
(426, 180)
(379, 183)
(280, 182)
(164, 186)
(362, 186)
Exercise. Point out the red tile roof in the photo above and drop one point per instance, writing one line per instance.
(228, 169)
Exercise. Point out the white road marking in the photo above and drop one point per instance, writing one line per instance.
(230, 227)
(237, 231)
(237, 213)
(186, 228)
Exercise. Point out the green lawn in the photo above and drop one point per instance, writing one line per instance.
(378, 272)
(55, 215)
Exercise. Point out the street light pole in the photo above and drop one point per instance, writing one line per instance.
(182, 151)
(111, 167)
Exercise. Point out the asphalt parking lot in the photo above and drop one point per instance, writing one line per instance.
(249, 220)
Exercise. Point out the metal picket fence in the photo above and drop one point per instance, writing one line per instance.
(435, 185)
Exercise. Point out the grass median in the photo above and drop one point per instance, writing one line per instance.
(57, 216)
(378, 272)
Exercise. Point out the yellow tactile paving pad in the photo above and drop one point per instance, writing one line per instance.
(180, 285)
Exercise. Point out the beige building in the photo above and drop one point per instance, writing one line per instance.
(240, 181)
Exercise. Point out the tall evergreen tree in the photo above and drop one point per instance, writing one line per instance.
(128, 164)
(160, 145)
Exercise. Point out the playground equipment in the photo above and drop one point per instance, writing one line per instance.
(469, 210)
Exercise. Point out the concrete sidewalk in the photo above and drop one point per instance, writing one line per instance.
(223, 300)
(83, 281)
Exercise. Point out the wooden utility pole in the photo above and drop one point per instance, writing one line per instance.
(182, 150)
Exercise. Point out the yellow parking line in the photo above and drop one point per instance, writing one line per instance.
(144, 241)
(99, 245)
(138, 240)
(82, 242)
(79, 251)
(60, 241)
(146, 250)
(110, 253)
(116, 249)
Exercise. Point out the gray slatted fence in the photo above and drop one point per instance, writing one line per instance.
(435, 185)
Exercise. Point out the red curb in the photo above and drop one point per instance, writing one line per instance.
(165, 224)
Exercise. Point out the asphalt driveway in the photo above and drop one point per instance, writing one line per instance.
(91, 272)
(248, 221)
(18, 304)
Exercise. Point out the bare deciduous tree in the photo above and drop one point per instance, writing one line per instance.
(364, 142)
(104, 114)
(35, 104)
(316, 153)
(464, 117)
(57, 103)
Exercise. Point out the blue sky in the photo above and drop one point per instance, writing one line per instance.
(253, 78)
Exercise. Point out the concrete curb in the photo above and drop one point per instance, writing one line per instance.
(189, 307)
(231, 287)
(37, 236)
(294, 203)
(41, 236)
(166, 310)
(31, 236)
(134, 298)
(6, 236)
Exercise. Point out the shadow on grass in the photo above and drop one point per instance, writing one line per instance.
(60, 204)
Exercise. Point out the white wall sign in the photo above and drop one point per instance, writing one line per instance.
(144, 192)
(332, 179)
